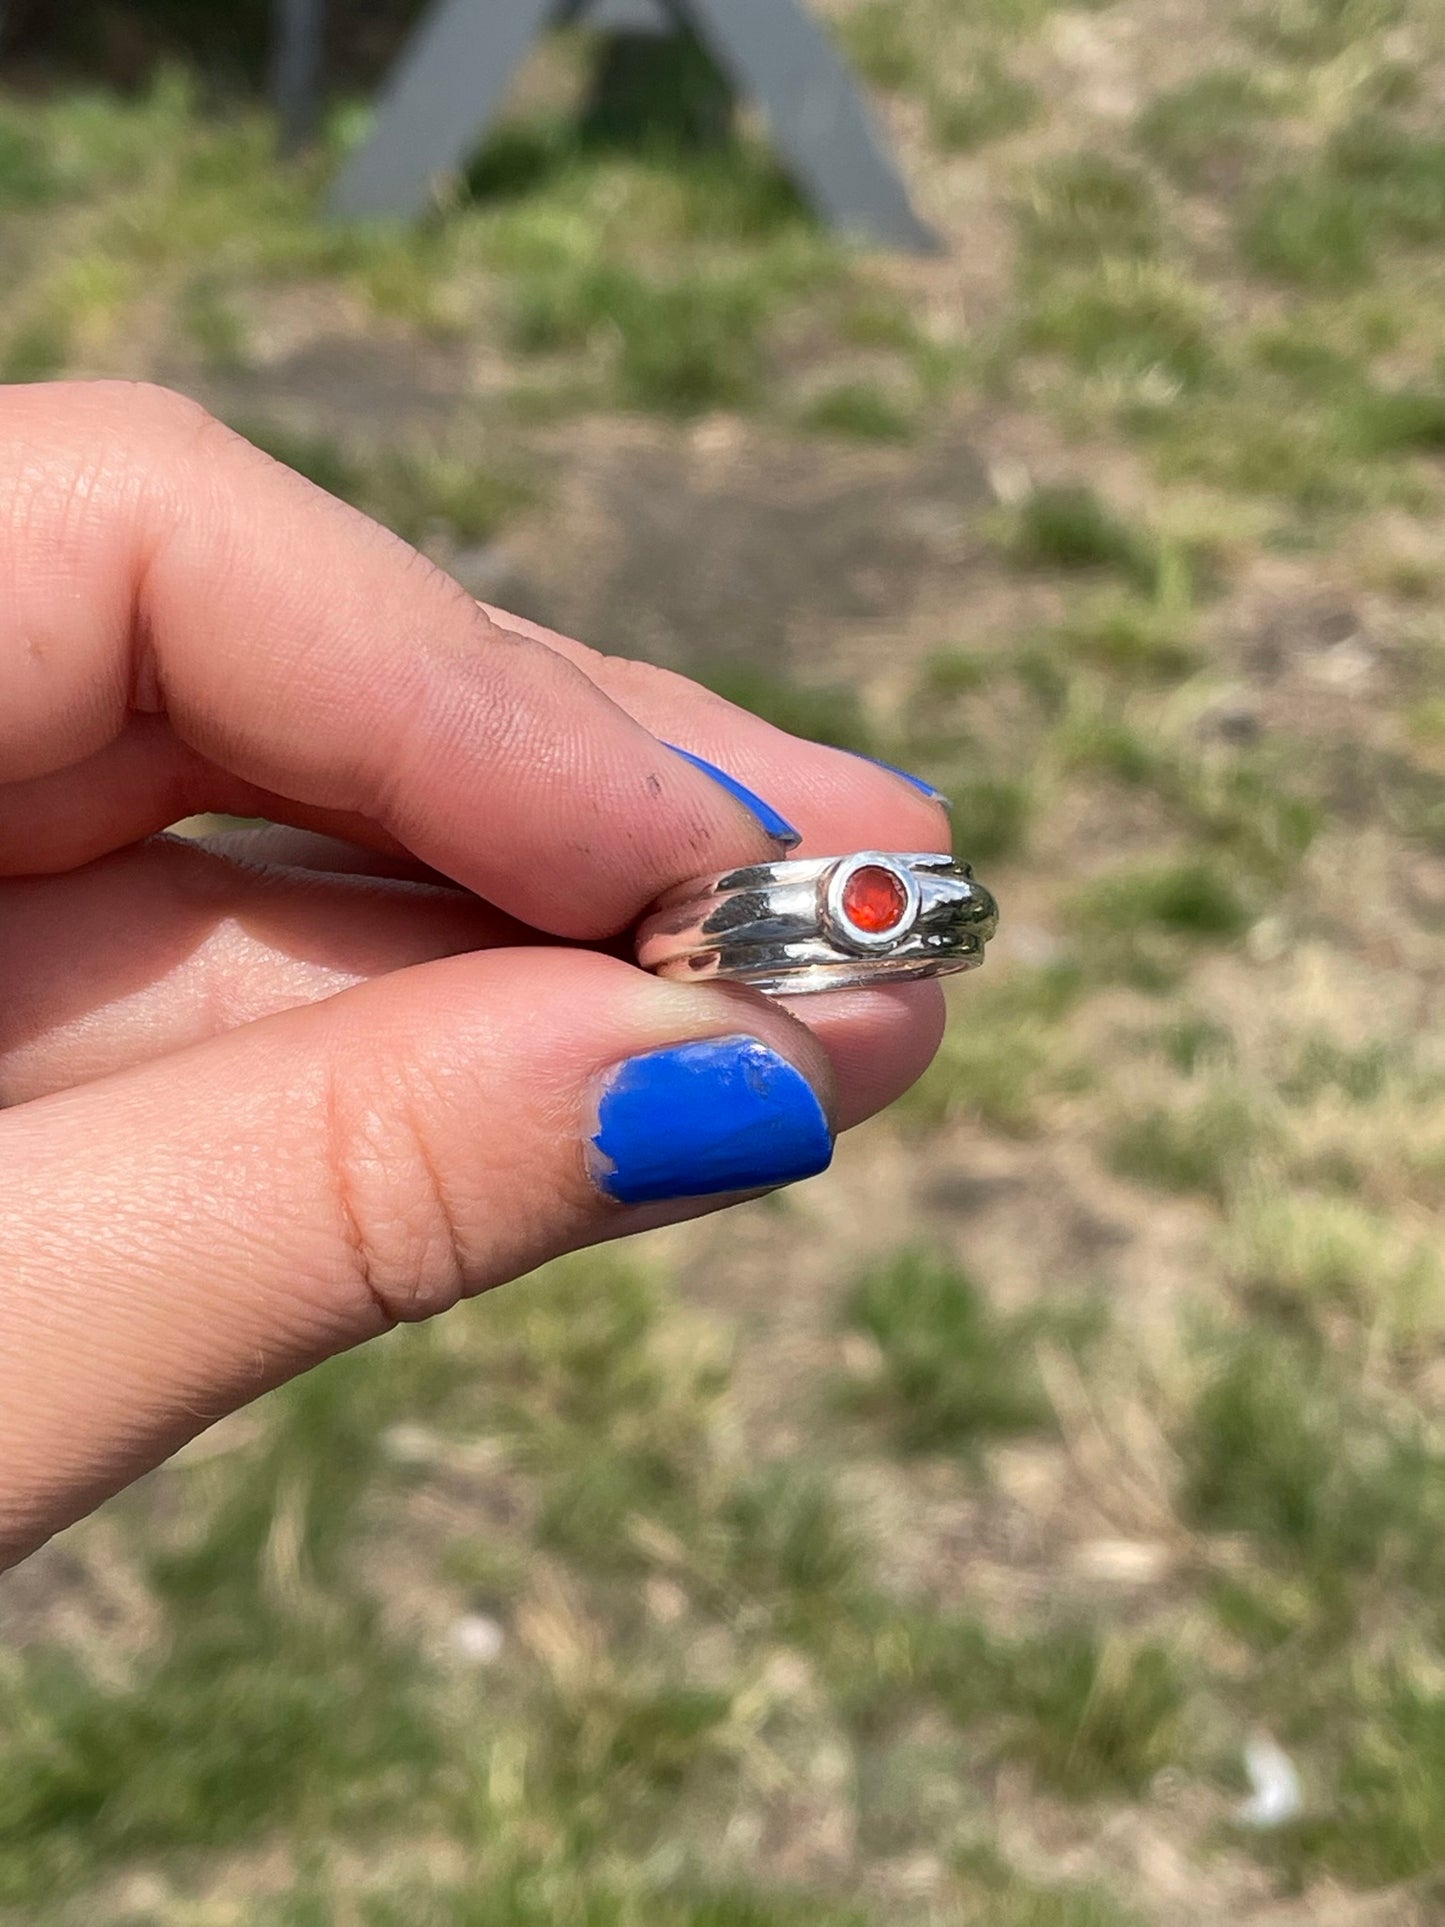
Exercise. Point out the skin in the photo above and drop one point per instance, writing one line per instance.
(268, 1096)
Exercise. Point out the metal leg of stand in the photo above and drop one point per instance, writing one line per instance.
(452, 77)
(776, 52)
(439, 102)
(298, 27)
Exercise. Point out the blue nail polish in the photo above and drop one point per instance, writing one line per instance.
(777, 827)
(721, 1114)
(924, 789)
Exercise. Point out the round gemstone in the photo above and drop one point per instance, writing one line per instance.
(874, 900)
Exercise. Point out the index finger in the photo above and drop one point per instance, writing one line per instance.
(154, 564)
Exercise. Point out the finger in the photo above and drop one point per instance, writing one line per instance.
(838, 801)
(162, 946)
(175, 1239)
(276, 846)
(146, 779)
(294, 649)
(879, 1042)
(170, 942)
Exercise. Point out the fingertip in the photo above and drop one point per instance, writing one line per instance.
(879, 1042)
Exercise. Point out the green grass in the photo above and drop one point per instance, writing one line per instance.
(950, 1369)
(272, 1700)
(1142, 922)
(1315, 30)
(1070, 526)
(1083, 1711)
(537, 1897)
(1387, 1822)
(1374, 183)
(1316, 1253)
(1190, 899)
(642, 277)
(1149, 640)
(1284, 1446)
(1207, 1146)
(1206, 132)
(1126, 321)
(26, 178)
(1086, 205)
(995, 102)
(1094, 1713)
(862, 411)
(681, 345)
(824, 712)
(1309, 230)
(1003, 1898)
(417, 492)
(999, 1066)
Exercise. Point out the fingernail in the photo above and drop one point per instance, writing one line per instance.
(720, 1114)
(777, 827)
(924, 789)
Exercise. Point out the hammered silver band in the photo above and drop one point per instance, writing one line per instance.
(815, 924)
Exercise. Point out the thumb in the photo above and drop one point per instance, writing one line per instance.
(178, 1238)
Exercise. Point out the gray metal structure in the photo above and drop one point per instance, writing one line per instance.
(629, 16)
(454, 72)
(297, 27)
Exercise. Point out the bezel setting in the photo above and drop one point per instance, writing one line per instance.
(841, 927)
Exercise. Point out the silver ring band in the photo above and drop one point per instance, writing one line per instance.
(822, 923)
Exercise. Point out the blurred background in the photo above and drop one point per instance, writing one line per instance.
(1039, 1520)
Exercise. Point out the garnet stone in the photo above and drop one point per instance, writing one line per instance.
(874, 900)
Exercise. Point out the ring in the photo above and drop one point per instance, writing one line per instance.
(824, 923)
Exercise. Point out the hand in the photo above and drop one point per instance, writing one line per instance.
(273, 1093)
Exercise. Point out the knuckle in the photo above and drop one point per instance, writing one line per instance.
(143, 421)
(396, 1212)
(151, 402)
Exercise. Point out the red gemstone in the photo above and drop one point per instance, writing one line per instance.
(874, 900)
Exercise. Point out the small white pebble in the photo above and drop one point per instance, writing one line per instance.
(1010, 482)
(478, 1638)
(409, 1444)
(1275, 1795)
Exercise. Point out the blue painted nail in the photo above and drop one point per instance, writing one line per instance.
(777, 827)
(721, 1114)
(924, 789)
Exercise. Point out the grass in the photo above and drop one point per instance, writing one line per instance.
(1086, 205)
(1070, 526)
(1206, 132)
(995, 102)
(1136, 638)
(1126, 321)
(1374, 183)
(419, 492)
(272, 1699)
(1312, 30)
(863, 411)
(680, 345)
(1095, 1713)
(1207, 1146)
(948, 1370)
(1284, 1445)
(645, 277)
(1001, 1896)
(826, 713)
(999, 1068)
(1141, 922)
(1083, 1712)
